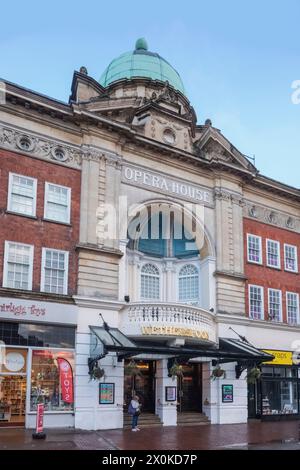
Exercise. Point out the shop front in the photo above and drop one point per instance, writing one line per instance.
(276, 395)
(37, 365)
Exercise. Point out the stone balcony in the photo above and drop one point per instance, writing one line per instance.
(168, 321)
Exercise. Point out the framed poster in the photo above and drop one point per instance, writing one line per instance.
(227, 393)
(106, 393)
(171, 393)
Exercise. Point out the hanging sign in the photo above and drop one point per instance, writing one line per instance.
(66, 380)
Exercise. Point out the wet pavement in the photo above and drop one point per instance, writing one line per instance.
(251, 436)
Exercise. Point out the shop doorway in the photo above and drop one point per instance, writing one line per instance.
(140, 381)
(189, 390)
(12, 400)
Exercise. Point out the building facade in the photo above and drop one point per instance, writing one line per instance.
(153, 244)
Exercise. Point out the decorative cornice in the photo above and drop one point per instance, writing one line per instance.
(231, 274)
(246, 321)
(97, 302)
(270, 216)
(35, 296)
(225, 195)
(100, 249)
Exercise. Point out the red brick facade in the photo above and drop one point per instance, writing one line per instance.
(265, 276)
(36, 231)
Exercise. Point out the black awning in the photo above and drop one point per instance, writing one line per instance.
(106, 340)
(244, 347)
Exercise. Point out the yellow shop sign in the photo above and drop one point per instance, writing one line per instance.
(283, 358)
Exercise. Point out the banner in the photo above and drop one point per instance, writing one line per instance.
(66, 380)
(40, 418)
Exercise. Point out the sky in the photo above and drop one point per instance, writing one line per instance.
(238, 60)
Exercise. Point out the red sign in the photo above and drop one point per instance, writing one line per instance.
(40, 418)
(66, 380)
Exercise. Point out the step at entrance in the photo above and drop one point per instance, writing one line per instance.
(192, 419)
(146, 420)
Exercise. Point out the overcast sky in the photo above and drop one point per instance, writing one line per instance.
(237, 60)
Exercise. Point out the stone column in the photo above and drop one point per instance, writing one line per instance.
(112, 192)
(167, 411)
(89, 198)
(123, 271)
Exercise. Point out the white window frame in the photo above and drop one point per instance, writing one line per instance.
(9, 195)
(66, 254)
(260, 248)
(287, 245)
(298, 313)
(5, 264)
(262, 301)
(190, 301)
(47, 183)
(280, 296)
(143, 299)
(278, 247)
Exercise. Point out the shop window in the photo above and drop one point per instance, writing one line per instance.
(18, 261)
(256, 302)
(290, 258)
(188, 284)
(41, 335)
(57, 203)
(292, 307)
(279, 397)
(54, 271)
(150, 285)
(22, 194)
(52, 373)
(275, 309)
(273, 254)
(254, 249)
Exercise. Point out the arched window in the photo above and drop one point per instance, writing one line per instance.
(189, 284)
(150, 282)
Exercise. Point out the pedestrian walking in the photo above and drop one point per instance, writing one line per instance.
(134, 409)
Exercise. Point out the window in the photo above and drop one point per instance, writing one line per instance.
(37, 334)
(52, 378)
(292, 308)
(188, 284)
(256, 302)
(273, 254)
(54, 271)
(274, 305)
(254, 249)
(150, 282)
(57, 203)
(290, 258)
(22, 194)
(18, 261)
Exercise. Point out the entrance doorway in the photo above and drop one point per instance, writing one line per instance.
(190, 389)
(140, 381)
(12, 400)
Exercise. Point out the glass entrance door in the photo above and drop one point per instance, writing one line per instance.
(12, 400)
(190, 388)
(141, 382)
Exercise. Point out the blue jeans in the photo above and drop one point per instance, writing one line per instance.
(134, 421)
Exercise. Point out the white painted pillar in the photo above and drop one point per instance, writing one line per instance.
(207, 283)
(167, 411)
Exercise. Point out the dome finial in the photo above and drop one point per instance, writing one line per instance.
(141, 44)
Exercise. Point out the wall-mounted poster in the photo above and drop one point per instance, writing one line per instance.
(227, 393)
(171, 393)
(106, 393)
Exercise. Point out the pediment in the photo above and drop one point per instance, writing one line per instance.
(214, 147)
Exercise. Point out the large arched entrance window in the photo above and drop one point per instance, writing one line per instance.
(166, 261)
(188, 288)
(150, 282)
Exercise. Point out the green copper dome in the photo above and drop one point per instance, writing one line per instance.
(141, 63)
